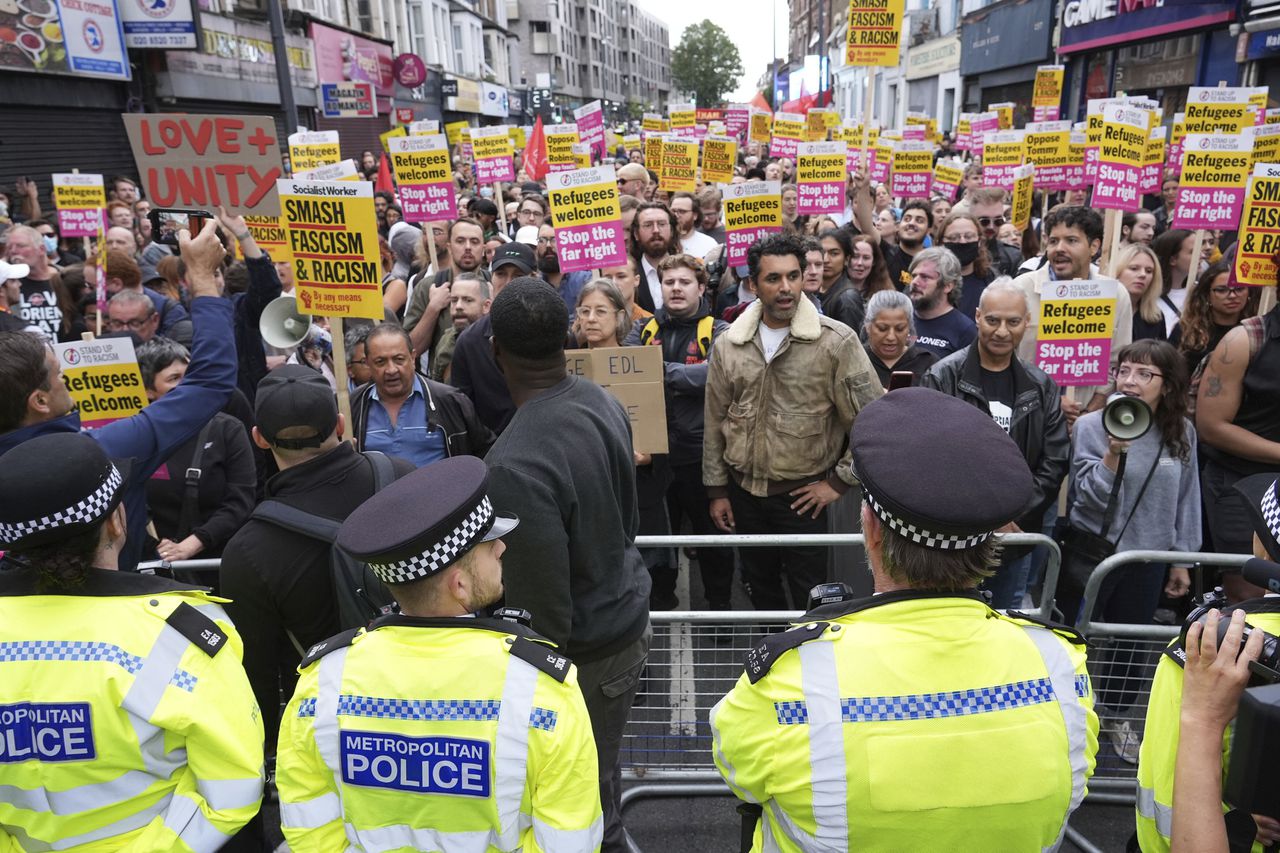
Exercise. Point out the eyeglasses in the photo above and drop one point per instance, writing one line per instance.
(1228, 291)
(991, 221)
(1141, 375)
(351, 361)
(120, 325)
(546, 241)
(586, 313)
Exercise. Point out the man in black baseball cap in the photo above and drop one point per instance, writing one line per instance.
(295, 409)
(511, 260)
(90, 653)
(914, 688)
(490, 698)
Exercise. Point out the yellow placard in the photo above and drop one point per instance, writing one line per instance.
(304, 158)
(1023, 189)
(455, 131)
(1062, 319)
(1003, 152)
(653, 123)
(487, 147)
(272, 237)
(817, 122)
(1260, 229)
(682, 115)
(1126, 132)
(761, 127)
(874, 35)
(679, 166)
(1004, 112)
(760, 210)
(653, 152)
(391, 134)
(560, 141)
(86, 197)
(908, 160)
(788, 129)
(588, 204)
(1047, 148)
(1266, 144)
(333, 237)
(582, 155)
(1218, 110)
(1046, 91)
(948, 172)
(719, 156)
(103, 379)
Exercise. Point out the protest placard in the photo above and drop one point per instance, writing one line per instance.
(589, 119)
(103, 378)
(560, 141)
(736, 119)
(587, 219)
(761, 126)
(912, 172)
(653, 143)
(581, 155)
(519, 136)
(1074, 176)
(1218, 109)
(1046, 92)
(874, 35)
(882, 161)
(1260, 228)
(456, 131)
(202, 161)
(788, 132)
(1077, 320)
(818, 121)
(333, 237)
(1023, 194)
(682, 116)
(1002, 152)
(1215, 168)
(421, 164)
(394, 133)
(752, 212)
(821, 175)
(343, 170)
(633, 376)
(1047, 147)
(719, 156)
(679, 166)
(964, 132)
(426, 127)
(979, 126)
(947, 177)
(80, 199)
(493, 149)
(653, 123)
(1121, 152)
(1266, 143)
(1004, 115)
(272, 237)
(1153, 162)
(313, 149)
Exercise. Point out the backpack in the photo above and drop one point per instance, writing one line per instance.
(705, 327)
(360, 595)
(1254, 332)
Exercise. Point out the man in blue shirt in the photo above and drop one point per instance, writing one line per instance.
(405, 414)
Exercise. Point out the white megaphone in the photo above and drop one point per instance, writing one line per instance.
(282, 325)
(1126, 418)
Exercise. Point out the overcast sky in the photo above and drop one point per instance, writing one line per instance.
(746, 22)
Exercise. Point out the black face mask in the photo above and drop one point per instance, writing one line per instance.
(966, 253)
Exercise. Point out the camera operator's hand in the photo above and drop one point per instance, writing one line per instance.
(203, 256)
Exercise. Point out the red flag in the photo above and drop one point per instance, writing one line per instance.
(535, 153)
(760, 103)
(384, 182)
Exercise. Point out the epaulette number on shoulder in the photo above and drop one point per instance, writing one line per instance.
(322, 648)
(202, 631)
(542, 657)
(762, 657)
(1066, 632)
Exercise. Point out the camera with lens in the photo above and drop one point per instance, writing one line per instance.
(1266, 669)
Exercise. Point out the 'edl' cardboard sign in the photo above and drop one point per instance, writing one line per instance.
(203, 161)
(633, 376)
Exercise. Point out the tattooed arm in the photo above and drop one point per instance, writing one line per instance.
(1219, 398)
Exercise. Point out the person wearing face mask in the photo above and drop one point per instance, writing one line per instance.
(962, 236)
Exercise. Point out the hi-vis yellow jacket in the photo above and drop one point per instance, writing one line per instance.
(1159, 751)
(438, 735)
(126, 719)
(910, 721)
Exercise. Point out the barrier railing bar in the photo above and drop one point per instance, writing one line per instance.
(1110, 564)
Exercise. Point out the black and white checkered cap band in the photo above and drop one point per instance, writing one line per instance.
(444, 552)
(91, 509)
(920, 536)
(1271, 510)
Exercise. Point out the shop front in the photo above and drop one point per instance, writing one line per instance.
(1146, 48)
(346, 57)
(933, 79)
(1001, 47)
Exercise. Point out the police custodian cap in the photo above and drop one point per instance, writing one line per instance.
(56, 486)
(425, 521)
(937, 470)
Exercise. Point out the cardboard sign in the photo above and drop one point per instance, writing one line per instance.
(821, 175)
(719, 156)
(312, 149)
(1260, 228)
(590, 121)
(633, 376)
(1046, 92)
(1023, 194)
(1075, 176)
(979, 126)
(203, 161)
(964, 132)
(80, 199)
(1215, 169)
(343, 170)
(947, 177)
(103, 378)
(1077, 321)
(587, 219)
(682, 116)
(421, 164)
(348, 100)
(333, 237)
(679, 166)
(1002, 153)
(912, 175)
(1047, 146)
(788, 133)
(874, 36)
(272, 237)
(818, 122)
(1121, 152)
(752, 211)
(761, 127)
(882, 161)
(560, 141)
(493, 149)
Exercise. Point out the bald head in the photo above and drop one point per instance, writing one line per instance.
(120, 239)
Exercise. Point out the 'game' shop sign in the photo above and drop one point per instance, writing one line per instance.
(1094, 24)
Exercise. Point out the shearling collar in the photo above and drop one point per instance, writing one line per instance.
(806, 325)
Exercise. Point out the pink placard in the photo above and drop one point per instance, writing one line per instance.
(590, 120)
(590, 194)
(1046, 114)
(821, 172)
(1077, 323)
(81, 222)
(736, 119)
(491, 169)
(1116, 187)
(1084, 361)
(426, 179)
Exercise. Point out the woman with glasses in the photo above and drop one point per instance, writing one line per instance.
(1213, 308)
(1156, 488)
(601, 317)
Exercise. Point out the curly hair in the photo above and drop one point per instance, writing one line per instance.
(1196, 321)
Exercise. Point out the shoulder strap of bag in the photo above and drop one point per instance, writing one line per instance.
(191, 492)
(383, 473)
(1150, 473)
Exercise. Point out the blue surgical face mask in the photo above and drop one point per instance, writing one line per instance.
(486, 192)
(50, 243)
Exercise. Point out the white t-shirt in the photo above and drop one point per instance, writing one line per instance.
(653, 280)
(698, 244)
(1001, 413)
(771, 340)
